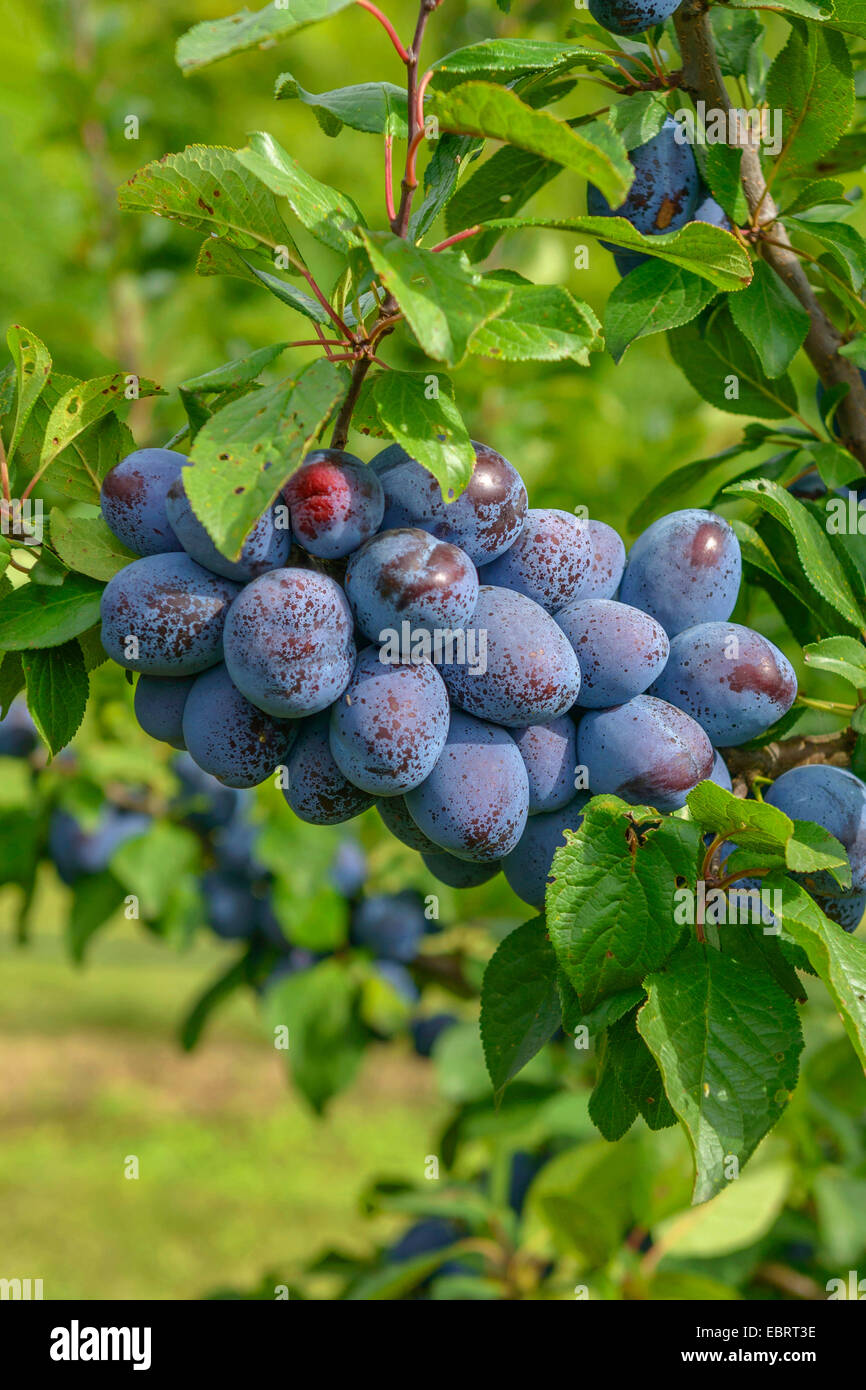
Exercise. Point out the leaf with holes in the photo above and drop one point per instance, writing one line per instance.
(85, 403)
(32, 366)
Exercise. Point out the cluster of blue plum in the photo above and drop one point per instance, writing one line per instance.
(541, 666)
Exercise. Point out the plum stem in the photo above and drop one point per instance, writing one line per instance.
(389, 178)
(458, 236)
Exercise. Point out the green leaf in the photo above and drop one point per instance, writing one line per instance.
(375, 107)
(727, 1040)
(444, 301)
(629, 1083)
(735, 35)
(653, 297)
(218, 38)
(239, 372)
(801, 194)
(520, 1007)
(57, 690)
(330, 216)
(610, 911)
(722, 367)
(754, 823)
(772, 318)
(37, 615)
(11, 680)
(152, 864)
(450, 154)
(209, 189)
(847, 15)
(756, 553)
(86, 403)
(430, 429)
(812, 849)
(541, 323)
(722, 172)
(95, 899)
(32, 366)
(85, 544)
(584, 1197)
(636, 118)
(507, 59)
(325, 1036)
(193, 1025)
(482, 109)
(841, 656)
(821, 566)
(836, 466)
(510, 177)
(811, 82)
(734, 1220)
(246, 451)
(710, 252)
(837, 958)
(844, 243)
(218, 258)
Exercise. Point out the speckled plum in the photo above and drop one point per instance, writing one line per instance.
(684, 569)
(265, 548)
(550, 561)
(626, 17)
(395, 815)
(608, 562)
(664, 193)
(532, 674)
(288, 642)
(458, 873)
(317, 791)
(484, 520)
(407, 575)
(175, 611)
(335, 502)
(527, 867)
(133, 500)
(732, 680)
(834, 798)
(475, 802)
(233, 740)
(645, 751)
(159, 704)
(550, 754)
(846, 911)
(389, 725)
(720, 774)
(621, 650)
(708, 210)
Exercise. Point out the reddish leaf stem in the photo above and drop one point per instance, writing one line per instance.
(387, 26)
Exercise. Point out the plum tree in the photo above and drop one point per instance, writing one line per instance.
(265, 548)
(732, 680)
(229, 737)
(550, 561)
(159, 704)
(834, 798)
(289, 642)
(164, 615)
(389, 725)
(475, 802)
(684, 569)
(406, 575)
(317, 791)
(484, 520)
(527, 867)
(620, 649)
(530, 672)
(335, 502)
(133, 500)
(625, 17)
(549, 752)
(646, 751)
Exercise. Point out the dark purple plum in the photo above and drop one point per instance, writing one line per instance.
(458, 873)
(78, 852)
(18, 736)
(389, 725)
(529, 673)
(164, 615)
(317, 791)
(621, 650)
(231, 908)
(484, 520)
(233, 740)
(732, 680)
(550, 562)
(527, 867)
(834, 798)
(133, 500)
(549, 752)
(645, 751)
(265, 548)
(720, 774)
(427, 1028)
(159, 704)
(810, 485)
(335, 502)
(396, 817)
(684, 569)
(708, 210)
(475, 802)
(391, 925)
(626, 17)
(288, 642)
(408, 576)
(664, 193)
(608, 562)
(846, 911)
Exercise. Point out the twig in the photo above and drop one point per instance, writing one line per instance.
(775, 758)
(458, 236)
(389, 178)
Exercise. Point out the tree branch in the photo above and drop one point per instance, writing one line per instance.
(702, 79)
(746, 764)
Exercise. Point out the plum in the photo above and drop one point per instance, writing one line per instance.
(164, 615)
(159, 703)
(549, 752)
(527, 867)
(133, 500)
(684, 569)
(550, 561)
(335, 502)
(621, 650)
(834, 798)
(317, 791)
(645, 751)
(626, 17)
(265, 548)
(229, 737)
(406, 575)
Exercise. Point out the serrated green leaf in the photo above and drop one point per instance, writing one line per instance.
(653, 297)
(85, 544)
(845, 244)
(835, 465)
(451, 153)
(811, 82)
(848, 16)
(57, 690)
(218, 38)
(812, 849)
(541, 323)
(801, 194)
(629, 1083)
(772, 318)
(584, 1197)
(841, 656)
(36, 615)
(734, 1220)
(330, 216)
(32, 366)
(508, 59)
(218, 258)
(755, 552)
(244, 454)
(370, 106)
(735, 35)
(520, 1006)
(11, 680)
(754, 823)
(727, 1040)
(722, 172)
(430, 429)
(510, 177)
(722, 367)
